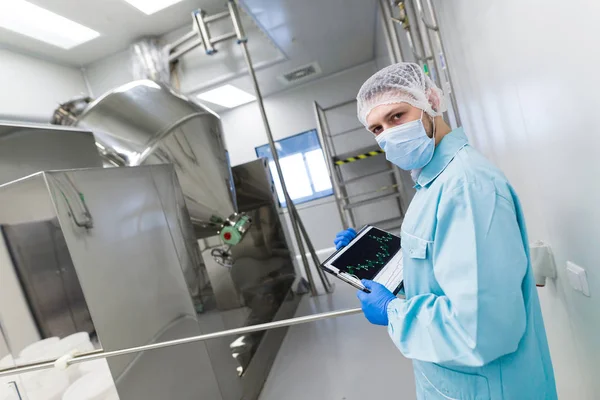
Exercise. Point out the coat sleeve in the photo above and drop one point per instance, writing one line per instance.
(479, 262)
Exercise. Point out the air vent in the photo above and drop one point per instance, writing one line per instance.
(300, 74)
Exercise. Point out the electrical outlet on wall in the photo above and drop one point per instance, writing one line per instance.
(578, 278)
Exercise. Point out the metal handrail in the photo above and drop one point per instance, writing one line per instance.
(176, 342)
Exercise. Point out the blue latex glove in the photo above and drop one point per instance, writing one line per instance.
(344, 237)
(375, 304)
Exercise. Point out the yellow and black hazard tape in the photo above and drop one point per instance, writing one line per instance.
(359, 157)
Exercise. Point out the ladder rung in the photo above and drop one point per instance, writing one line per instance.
(359, 178)
(371, 200)
(356, 156)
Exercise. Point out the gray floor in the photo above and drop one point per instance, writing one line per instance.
(361, 363)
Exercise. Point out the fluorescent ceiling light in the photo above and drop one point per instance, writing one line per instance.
(36, 22)
(151, 6)
(227, 96)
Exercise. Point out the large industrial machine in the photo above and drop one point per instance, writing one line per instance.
(129, 268)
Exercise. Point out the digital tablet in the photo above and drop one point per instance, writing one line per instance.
(373, 254)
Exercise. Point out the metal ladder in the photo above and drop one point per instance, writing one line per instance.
(346, 203)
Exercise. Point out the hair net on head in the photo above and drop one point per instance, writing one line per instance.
(400, 83)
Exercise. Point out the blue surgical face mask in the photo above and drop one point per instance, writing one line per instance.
(407, 145)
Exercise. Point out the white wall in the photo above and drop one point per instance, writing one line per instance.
(32, 88)
(109, 73)
(526, 78)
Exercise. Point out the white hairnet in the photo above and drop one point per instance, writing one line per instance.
(400, 83)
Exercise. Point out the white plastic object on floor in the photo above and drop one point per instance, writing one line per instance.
(542, 262)
(97, 385)
(45, 385)
(77, 343)
(34, 351)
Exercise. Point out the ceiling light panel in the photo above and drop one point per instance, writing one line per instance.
(227, 96)
(36, 22)
(151, 6)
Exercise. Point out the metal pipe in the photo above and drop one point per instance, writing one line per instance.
(329, 163)
(186, 49)
(216, 17)
(391, 35)
(178, 42)
(237, 21)
(222, 38)
(198, 42)
(198, 16)
(243, 41)
(155, 346)
(313, 254)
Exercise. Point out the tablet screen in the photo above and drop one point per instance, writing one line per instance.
(369, 254)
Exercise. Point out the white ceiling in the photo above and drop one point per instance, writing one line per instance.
(337, 34)
(118, 22)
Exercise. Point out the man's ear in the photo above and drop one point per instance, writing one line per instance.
(433, 96)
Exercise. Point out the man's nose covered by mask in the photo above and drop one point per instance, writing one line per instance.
(407, 145)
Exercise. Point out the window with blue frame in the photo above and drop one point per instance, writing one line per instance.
(303, 166)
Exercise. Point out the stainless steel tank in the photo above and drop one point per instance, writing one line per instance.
(144, 122)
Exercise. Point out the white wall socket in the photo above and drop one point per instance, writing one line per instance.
(578, 278)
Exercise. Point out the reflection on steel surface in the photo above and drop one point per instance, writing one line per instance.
(136, 267)
(144, 122)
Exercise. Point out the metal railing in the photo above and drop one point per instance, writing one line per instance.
(177, 342)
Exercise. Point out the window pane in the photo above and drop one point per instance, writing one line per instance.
(318, 170)
(277, 182)
(295, 175)
(303, 167)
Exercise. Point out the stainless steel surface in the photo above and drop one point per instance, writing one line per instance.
(131, 267)
(46, 272)
(144, 122)
(143, 287)
(41, 294)
(243, 42)
(199, 338)
(26, 149)
(260, 281)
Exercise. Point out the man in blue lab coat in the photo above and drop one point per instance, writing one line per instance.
(471, 320)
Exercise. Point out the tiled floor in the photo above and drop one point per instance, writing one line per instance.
(338, 359)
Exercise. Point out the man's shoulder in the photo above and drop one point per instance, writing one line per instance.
(471, 169)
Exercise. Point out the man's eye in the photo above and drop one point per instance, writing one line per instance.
(397, 116)
(377, 130)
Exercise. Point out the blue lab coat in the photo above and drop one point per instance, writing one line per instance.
(471, 321)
